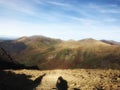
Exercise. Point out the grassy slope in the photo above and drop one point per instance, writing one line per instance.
(85, 54)
(50, 53)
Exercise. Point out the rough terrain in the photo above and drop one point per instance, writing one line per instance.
(78, 79)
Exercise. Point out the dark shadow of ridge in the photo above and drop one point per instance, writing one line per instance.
(12, 81)
(12, 47)
(6, 62)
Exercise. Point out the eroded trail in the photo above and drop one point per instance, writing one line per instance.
(81, 79)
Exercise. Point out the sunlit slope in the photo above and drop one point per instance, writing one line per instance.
(86, 53)
(77, 79)
(48, 53)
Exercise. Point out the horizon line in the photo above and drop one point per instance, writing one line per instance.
(10, 37)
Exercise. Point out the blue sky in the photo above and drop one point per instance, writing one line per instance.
(64, 19)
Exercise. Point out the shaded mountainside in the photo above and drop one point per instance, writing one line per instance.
(111, 42)
(6, 62)
(48, 53)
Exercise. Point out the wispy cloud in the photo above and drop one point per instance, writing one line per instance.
(82, 12)
(52, 2)
(64, 5)
(111, 8)
(30, 9)
(18, 5)
(38, 1)
(63, 18)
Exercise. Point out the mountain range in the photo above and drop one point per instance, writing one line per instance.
(49, 53)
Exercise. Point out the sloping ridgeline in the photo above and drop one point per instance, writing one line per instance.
(48, 53)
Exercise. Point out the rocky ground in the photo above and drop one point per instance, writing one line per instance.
(77, 79)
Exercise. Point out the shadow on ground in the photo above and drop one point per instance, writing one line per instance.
(12, 81)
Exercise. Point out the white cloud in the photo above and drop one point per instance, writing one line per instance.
(52, 2)
(52, 24)
(64, 5)
(111, 8)
(38, 1)
(18, 5)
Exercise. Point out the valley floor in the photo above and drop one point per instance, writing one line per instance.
(77, 79)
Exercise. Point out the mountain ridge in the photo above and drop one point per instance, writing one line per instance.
(49, 53)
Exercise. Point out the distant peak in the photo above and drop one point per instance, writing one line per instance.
(91, 41)
(88, 39)
(22, 38)
(37, 36)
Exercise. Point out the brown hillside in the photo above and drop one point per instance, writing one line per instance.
(48, 53)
